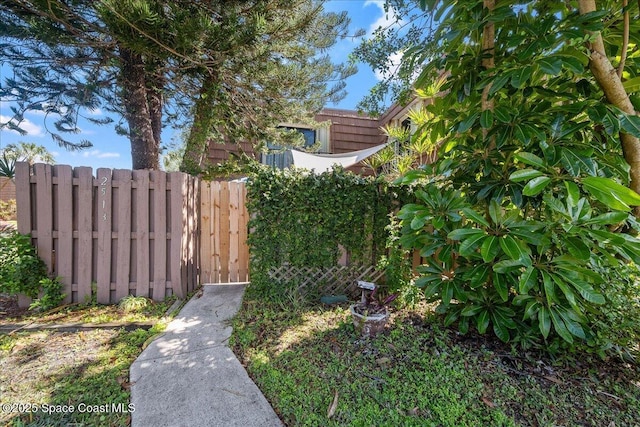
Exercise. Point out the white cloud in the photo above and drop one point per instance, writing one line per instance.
(394, 61)
(99, 154)
(387, 18)
(95, 112)
(31, 128)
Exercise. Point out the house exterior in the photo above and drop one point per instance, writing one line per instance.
(7, 189)
(347, 131)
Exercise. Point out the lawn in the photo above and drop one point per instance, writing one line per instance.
(61, 378)
(316, 371)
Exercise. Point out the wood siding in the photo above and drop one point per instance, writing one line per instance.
(349, 131)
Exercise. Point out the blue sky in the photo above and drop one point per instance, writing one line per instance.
(113, 151)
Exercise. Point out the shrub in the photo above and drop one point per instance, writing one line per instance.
(550, 275)
(20, 268)
(23, 272)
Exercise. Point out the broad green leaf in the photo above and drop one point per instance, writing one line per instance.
(607, 237)
(490, 248)
(566, 291)
(462, 233)
(478, 275)
(578, 248)
(536, 185)
(528, 280)
(467, 123)
(495, 211)
(507, 266)
(525, 175)
(513, 249)
(446, 292)
(471, 310)
(483, 321)
(530, 159)
(450, 318)
(502, 113)
(469, 245)
(533, 307)
(499, 82)
(573, 193)
(475, 216)
(631, 124)
(438, 222)
(500, 328)
(587, 292)
(521, 76)
(572, 63)
(500, 283)
(632, 85)
(418, 222)
(550, 65)
(574, 327)
(608, 218)
(463, 325)
(574, 162)
(559, 326)
(486, 119)
(544, 321)
(549, 288)
(612, 194)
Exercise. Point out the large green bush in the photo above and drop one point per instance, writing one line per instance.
(526, 218)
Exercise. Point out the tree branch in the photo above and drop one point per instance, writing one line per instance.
(625, 38)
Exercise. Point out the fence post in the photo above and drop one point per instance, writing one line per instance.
(64, 215)
(159, 234)
(104, 220)
(84, 258)
(123, 264)
(141, 179)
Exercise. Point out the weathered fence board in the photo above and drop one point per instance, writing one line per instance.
(224, 253)
(124, 232)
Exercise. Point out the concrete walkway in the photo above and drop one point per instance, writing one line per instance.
(190, 377)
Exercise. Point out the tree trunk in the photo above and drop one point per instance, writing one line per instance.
(144, 145)
(204, 119)
(611, 84)
(155, 99)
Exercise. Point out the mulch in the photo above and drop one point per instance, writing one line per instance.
(9, 308)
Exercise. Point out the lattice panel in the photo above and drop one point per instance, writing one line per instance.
(335, 280)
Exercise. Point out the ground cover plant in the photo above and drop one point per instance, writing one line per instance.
(316, 370)
(56, 369)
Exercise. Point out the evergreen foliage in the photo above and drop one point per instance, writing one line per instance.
(526, 218)
(301, 218)
(233, 69)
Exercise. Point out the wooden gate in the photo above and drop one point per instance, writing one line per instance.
(224, 253)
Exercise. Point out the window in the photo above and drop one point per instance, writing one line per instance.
(279, 157)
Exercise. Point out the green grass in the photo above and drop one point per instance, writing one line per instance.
(419, 374)
(48, 368)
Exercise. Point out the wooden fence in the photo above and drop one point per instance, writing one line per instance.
(223, 245)
(124, 232)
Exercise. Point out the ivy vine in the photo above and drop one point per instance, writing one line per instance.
(303, 219)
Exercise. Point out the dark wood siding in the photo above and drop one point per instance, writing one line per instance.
(349, 131)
